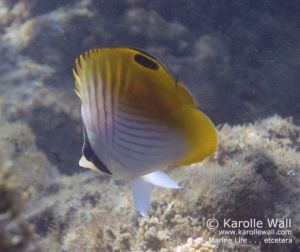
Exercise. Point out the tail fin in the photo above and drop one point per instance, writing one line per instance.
(141, 189)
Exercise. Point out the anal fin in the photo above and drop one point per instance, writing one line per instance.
(141, 189)
(141, 192)
(161, 179)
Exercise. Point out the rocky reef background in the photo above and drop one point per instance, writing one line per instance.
(242, 61)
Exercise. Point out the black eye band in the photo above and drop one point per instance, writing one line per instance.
(145, 62)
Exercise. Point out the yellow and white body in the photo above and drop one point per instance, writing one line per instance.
(138, 119)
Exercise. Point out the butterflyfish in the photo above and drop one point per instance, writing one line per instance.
(138, 120)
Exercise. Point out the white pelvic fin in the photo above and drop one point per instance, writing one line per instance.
(141, 189)
(141, 192)
(161, 179)
(83, 162)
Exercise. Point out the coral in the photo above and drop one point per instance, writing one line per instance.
(90, 235)
(15, 232)
(197, 245)
(259, 175)
(245, 179)
(20, 154)
(254, 173)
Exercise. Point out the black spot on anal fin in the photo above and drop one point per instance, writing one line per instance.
(90, 155)
(146, 62)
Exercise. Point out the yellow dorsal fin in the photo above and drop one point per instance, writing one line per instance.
(185, 95)
(144, 66)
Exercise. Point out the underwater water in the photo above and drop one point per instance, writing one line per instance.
(239, 59)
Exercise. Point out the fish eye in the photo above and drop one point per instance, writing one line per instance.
(145, 62)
